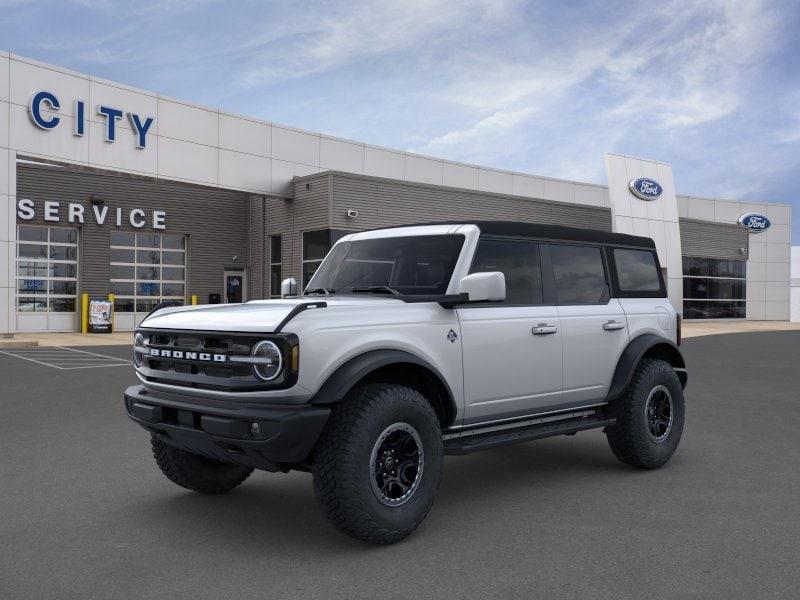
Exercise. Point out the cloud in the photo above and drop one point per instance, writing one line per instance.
(322, 40)
(667, 66)
(543, 86)
(690, 72)
(491, 126)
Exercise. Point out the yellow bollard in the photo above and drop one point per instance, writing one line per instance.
(84, 312)
(194, 299)
(111, 298)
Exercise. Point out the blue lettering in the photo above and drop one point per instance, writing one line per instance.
(80, 118)
(141, 129)
(111, 115)
(35, 109)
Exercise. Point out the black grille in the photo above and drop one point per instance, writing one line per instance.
(196, 373)
(211, 375)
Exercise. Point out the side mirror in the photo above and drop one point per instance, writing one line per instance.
(288, 287)
(484, 287)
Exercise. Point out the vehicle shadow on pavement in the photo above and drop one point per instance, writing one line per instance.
(280, 511)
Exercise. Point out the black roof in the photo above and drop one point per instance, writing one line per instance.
(550, 232)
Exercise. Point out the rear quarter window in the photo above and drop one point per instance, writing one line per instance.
(637, 270)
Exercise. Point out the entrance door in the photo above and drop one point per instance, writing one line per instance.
(235, 287)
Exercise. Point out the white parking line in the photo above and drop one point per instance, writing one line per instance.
(30, 359)
(66, 359)
(96, 354)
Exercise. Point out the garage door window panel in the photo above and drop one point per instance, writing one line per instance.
(714, 288)
(147, 270)
(46, 268)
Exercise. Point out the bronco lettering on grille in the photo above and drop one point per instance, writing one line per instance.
(202, 356)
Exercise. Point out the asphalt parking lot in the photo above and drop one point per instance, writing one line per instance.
(84, 512)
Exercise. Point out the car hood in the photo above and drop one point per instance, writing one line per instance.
(261, 316)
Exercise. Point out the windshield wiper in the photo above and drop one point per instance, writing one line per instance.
(321, 290)
(375, 289)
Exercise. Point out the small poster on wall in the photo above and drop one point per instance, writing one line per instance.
(101, 313)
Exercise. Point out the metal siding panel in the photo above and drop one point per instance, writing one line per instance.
(214, 219)
(307, 211)
(713, 240)
(255, 248)
(385, 202)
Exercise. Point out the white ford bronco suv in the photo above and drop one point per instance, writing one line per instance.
(410, 343)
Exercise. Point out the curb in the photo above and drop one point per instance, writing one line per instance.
(19, 344)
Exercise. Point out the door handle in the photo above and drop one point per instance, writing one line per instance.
(544, 329)
(613, 325)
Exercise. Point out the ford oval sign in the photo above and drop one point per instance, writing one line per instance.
(646, 189)
(754, 222)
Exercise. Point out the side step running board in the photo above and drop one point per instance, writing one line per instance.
(482, 441)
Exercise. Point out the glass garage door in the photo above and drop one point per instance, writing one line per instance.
(714, 288)
(47, 278)
(146, 269)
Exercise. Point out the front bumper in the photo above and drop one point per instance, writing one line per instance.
(266, 437)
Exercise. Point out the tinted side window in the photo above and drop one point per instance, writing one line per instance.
(636, 270)
(518, 261)
(579, 274)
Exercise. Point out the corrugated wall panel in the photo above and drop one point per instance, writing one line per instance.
(384, 202)
(713, 240)
(255, 245)
(307, 211)
(214, 219)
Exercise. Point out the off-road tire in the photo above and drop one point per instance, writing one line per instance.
(195, 472)
(342, 466)
(628, 438)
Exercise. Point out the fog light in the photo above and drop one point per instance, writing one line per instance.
(255, 428)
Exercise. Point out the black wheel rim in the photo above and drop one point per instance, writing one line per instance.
(658, 414)
(396, 464)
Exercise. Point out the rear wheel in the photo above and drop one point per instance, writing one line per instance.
(649, 415)
(195, 472)
(378, 463)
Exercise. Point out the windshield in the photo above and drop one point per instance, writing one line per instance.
(413, 265)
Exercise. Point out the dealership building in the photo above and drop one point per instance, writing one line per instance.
(107, 189)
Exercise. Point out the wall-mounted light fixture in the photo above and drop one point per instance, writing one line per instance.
(351, 213)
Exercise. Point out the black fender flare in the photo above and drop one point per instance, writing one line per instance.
(355, 369)
(638, 347)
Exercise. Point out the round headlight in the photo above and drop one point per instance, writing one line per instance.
(138, 349)
(270, 360)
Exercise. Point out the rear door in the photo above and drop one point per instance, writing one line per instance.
(642, 292)
(512, 350)
(595, 330)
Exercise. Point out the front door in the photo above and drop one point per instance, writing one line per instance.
(511, 350)
(234, 287)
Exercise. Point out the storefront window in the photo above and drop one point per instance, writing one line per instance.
(275, 265)
(47, 269)
(714, 288)
(146, 269)
(315, 246)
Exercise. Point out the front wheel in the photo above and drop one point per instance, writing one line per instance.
(195, 472)
(649, 416)
(378, 463)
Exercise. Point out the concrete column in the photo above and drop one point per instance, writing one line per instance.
(8, 202)
(656, 219)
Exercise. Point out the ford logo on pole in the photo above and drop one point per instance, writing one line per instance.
(646, 189)
(754, 222)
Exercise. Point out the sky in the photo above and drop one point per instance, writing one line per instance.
(712, 87)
